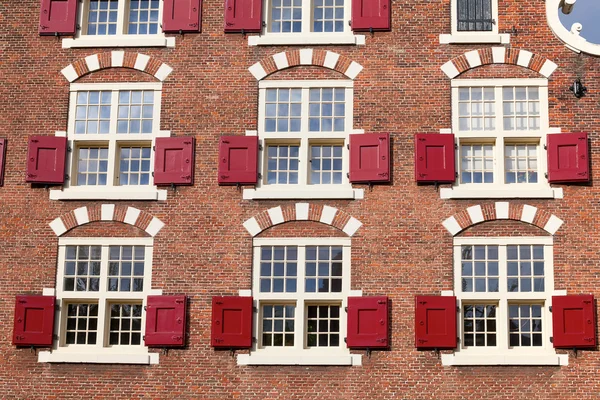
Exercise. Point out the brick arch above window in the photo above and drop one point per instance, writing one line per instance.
(107, 212)
(117, 59)
(293, 58)
(302, 212)
(498, 55)
(502, 210)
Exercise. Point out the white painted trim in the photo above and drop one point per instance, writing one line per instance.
(276, 215)
(299, 359)
(473, 58)
(302, 210)
(498, 55)
(331, 59)
(117, 58)
(270, 39)
(522, 359)
(524, 58)
(476, 37)
(508, 192)
(281, 61)
(553, 225)
(131, 215)
(154, 226)
(352, 226)
(476, 214)
(98, 358)
(502, 208)
(107, 212)
(163, 72)
(245, 292)
(449, 69)
(79, 193)
(328, 214)
(118, 41)
(141, 61)
(76, 87)
(303, 193)
(503, 240)
(307, 84)
(452, 225)
(257, 71)
(569, 37)
(304, 241)
(541, 82)
(81, 215)
(528, 213)
(58, 226)
(306, 56)
(69, 73)
(105, 241)
(252, 226)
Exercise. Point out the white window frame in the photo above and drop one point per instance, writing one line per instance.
(304, 190)
(306, 36)
(502, 354)
(570, 36)
(474, 36)
(299, 354)
(81, 39)
(110, 191)
(499, 137)
(101, 352)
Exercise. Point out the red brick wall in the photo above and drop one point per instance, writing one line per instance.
(400, 251)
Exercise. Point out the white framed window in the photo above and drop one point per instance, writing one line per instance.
(306, 22)
(101, 289)
(110, 23)
(500, 126)
(474, 21)
(111, 132)
(300, 287)
(303, 129)
(504, 288)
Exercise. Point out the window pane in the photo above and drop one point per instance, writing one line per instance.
(521, 163)
(327, 110)
(479, 325)
(523, 274)
(327, 268)
(102, 17)
(125, 324)
(82, 269)
(479, 268)
(134, 166)
(125, 274)
(90, 117)
(278, 325)
(278, 268)
(326, 164)
(135, 114)
(525, 321)
(81, 324)
(323, 324)
(328, 16)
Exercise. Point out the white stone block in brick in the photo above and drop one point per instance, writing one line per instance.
(107, 212)
(69, 73)
(257, 71)
(352, 226)
(141, 61)
(81, 215)
(528, 213)
(524, 58)
(116, 58)
(328, 214)
(252, 226)
(58, 226)
(154, 226)
(548, 68)
(163, 71)
(473, 58)
(501, 210)
(476, 214)
(306, 56)
(131, 215)
(331, 59)
(302, 211)
(276, 215)
(498, 55)
(449, 69)
(353, 70)
(553, 224)
(452, 225)
(93, 63)
(281, 61)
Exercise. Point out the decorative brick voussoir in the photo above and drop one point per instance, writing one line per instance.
(95, 62)
(502, 210)
(302, 212)
(106, 212)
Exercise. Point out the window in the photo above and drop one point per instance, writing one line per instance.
(474, 21)
(304, 128)
(504, 287)
(122, 22)
(101, 289)
(303, 22)
(111, 132)
(300, 286)
(501, 128)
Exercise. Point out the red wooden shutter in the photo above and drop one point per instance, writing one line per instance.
(367, 322)
(231, 321)
(370, 15)
(568, 157)
(434, 158)
(58, 17)
(2, 160)
(238, 160)
(34, 321)
(165, 321)
(243, 15)
(174, 161)
(573, 321)
(370, 157)
(182, 15)
(435, 322)
(46, 159)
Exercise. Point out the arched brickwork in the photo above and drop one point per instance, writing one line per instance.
(293, 58)
(95, 62)
(302, 212)
(107, 212)
(498, 55)
(502, 210)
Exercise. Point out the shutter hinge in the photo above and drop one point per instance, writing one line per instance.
(153, 148)
(455, 146)
(545, 147)
(348, 146)
(550, 308)
(457, 309)
(69, 149)
(254, 309)
(551, 339)
(67, 177)
(260, 146)
(153, 174)
(259, 175)
(456, 175)
(57, 307)
(346, 309)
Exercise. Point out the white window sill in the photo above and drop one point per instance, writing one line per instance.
(475, 37)
(305, 39)
(119, 41)
(283, 358)
(100, 193)
(58, 356)
(544, 358)
(291, 192)
(501, 192)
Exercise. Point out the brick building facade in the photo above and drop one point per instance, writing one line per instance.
(295, 183)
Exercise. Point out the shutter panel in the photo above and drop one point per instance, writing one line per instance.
(165, 321)
(2, 160)
(174, 161)
(34, 321)
(370, 157)
(568, 157)
(58, 17)
(46, 159)
(182, 15)
(573, 321)
(238, 160)
(434, 158)
(243, 15)
(370, 15)
(231, 321)
(435, 322)
(367, 322)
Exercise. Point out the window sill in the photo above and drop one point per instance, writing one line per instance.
(545, 358)
(304, 193)
(501, 192)
(109, 194)
(58, 356)
(119, 41)
(475, 37)
(283, 358)
(305, 39)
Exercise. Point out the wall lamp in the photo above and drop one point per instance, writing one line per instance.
(578, 89)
